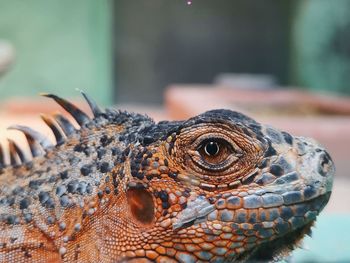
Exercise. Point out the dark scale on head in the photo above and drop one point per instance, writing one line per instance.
(270, 150)
(60, 190)
(116, 151)
(82, 187)
(50, 203)
(284, 164)
(166, 163)
(73, 186)
(274, 135)
(105, 167)
(86, 169)
(140, 175)
(172, 175)
(107, 179)
(28, 217)
(89, 189)
(12, 219)
(107, 190)
(64, 200)
(35, 184)
(149, 177)
(79, 147)
(148, 140)
(43, 197)
(165, 205)
(276, 170)
(11, 201)
(88, 151)
(64, 175)
(105, 140)
(163, 195)
(100, 153)
(287, 137)
(50, 220)
(24, 203)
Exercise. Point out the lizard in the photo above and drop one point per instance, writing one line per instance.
(119, 187)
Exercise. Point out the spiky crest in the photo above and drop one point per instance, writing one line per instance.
(61, 127)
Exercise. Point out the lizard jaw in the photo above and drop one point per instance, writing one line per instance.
(281, 247)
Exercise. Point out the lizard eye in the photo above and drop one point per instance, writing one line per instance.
(212, 148)
(215, 154)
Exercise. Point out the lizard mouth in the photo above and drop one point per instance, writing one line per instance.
(282, 246)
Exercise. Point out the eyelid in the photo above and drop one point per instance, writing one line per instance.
(219, 141)
(215, 167)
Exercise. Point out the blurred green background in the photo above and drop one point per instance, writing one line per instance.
(112, 49)
(59, 46)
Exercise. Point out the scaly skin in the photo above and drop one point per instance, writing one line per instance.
(218, 187)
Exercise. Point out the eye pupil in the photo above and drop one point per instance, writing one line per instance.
(212, 148)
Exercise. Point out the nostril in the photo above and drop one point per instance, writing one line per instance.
(325, 164)
(324, 161)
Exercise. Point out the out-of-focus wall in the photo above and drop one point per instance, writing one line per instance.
(60, 45)
(320, 55)
(159, 42)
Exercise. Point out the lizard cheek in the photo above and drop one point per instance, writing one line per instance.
(141, 205)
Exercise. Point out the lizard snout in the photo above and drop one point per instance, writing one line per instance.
(317, 165)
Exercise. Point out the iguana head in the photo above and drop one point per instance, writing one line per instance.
(216, 187)
(220, 186)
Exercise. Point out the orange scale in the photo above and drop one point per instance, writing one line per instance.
(167, 244)
(161, 250)
(197, 240)
(152, 255)
(163, 259)
(140, 253)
